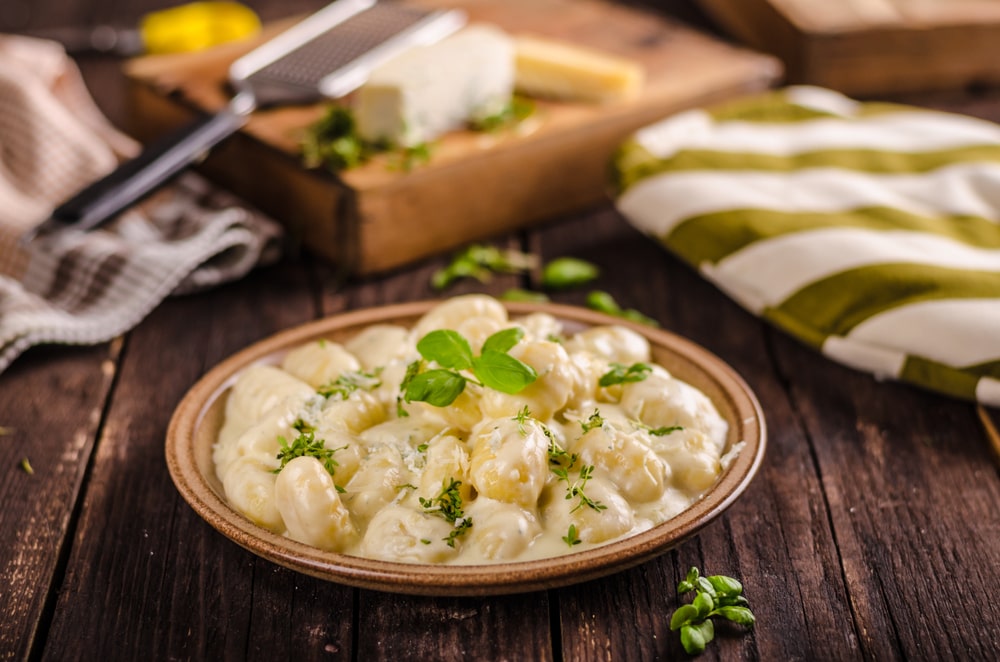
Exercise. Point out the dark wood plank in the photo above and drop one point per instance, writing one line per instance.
(50, 411)
(146, 573)
(394, 627)
(913, 495)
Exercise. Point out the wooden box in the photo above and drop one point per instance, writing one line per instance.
(475, 185)
(872, 47)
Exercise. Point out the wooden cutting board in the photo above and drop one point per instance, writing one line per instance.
(475, 185)
(872, 47)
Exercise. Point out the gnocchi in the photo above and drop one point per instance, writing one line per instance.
(335, 448)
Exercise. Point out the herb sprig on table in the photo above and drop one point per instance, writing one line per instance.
(480, 262)
(605, 303)
(716, 596)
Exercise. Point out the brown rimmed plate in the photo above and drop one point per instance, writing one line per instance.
(196, 422)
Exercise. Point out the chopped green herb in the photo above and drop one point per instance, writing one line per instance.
(620, 374)
(307, 444)
(575, 490)
(715, 596)
(333, 141)
(560, 460)
(448, 504)
(522, 418)
(565, 272)
(605, 303)
(301, 426)
(561, 463)
(481, 262)
(425, 541)
(664, 430)
(349, 382)
(422, 448)
(513, 113)
(571, 538)
(409, 157)
(595, 421)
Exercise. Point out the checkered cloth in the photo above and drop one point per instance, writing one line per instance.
(84, 288)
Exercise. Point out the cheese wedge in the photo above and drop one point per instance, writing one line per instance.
(557, 70)
(429, 90)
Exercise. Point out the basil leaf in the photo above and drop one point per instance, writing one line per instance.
(704, 603)
(692, 640)
(620, 374)
(740, 615)
(448, 348)
(435, 387)
(733, 601)
(684, 615)
(725, 585)
(568, 272)
(633, 315)
(702, 633)
(503, 372)
(706, 586)
(603, 302)
(502, 341)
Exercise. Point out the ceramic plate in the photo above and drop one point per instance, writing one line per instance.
(197, 420)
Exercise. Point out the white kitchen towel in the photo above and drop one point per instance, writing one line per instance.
(84, 288)
(869, 231)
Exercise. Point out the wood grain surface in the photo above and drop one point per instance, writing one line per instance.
(871, 533)
(871, 47)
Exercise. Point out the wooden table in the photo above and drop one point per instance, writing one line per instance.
(871, 532)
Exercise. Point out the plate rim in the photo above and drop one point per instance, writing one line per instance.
(448, 579)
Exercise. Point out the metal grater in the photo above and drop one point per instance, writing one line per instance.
(308, 61)
(329, 54)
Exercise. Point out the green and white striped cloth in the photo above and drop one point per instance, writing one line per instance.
(868, 231)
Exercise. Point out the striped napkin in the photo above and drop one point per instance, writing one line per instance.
(84, 288)
(869, 231)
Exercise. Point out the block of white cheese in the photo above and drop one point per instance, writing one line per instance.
(429, 90)
(557, 70)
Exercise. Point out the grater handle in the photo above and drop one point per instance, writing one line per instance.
(155, 166)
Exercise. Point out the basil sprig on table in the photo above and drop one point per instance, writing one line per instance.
(605, 303)
(716, 596)
(566, 272)
(494, 368)
(480, 262)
